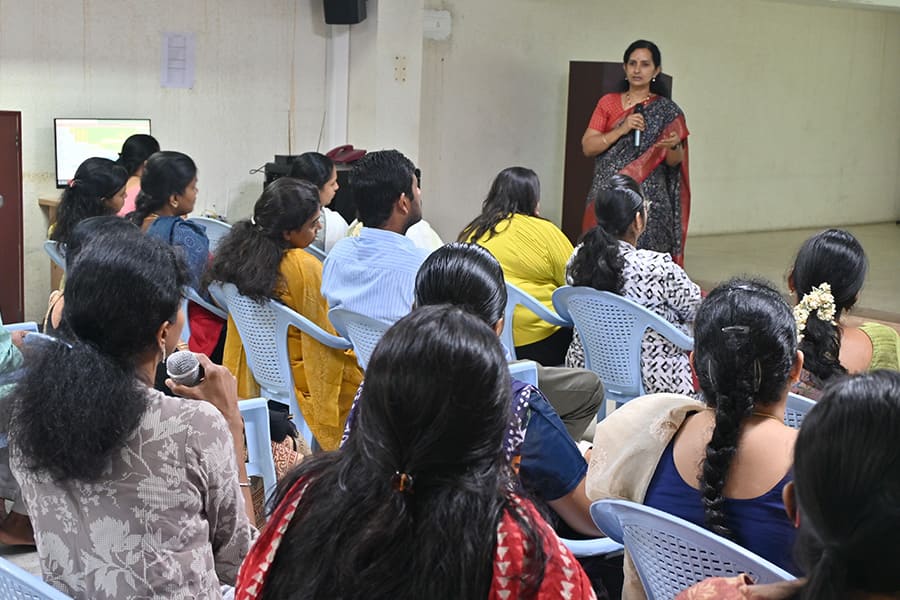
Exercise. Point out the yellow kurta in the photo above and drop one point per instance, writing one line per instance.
(326, 379)
(533, 253)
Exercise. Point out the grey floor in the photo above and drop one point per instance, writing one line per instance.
(714, 258)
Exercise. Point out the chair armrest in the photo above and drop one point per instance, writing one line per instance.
(289, 317)
(529, 302)
(24, 326)
(593, 547)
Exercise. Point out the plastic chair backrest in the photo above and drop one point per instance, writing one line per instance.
(516, 297)
(18, 584)
(671, 554)
(611, 328)
(56, 252)
(362, 331)
(263, 328)
(259, 448)
(195, 297)
(315, 252)
(796, 408)
(215, 230)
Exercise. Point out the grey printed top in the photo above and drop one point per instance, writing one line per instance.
(167, 520)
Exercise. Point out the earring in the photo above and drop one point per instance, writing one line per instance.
(653, 80)
(174, 204)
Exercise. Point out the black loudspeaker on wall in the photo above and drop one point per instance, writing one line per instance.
(345, 12)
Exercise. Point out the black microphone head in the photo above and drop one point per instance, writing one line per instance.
(638, 109)
(183, 368)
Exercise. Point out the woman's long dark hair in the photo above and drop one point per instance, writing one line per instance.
(847, 484)
(515, 190)
(658, 87)
(166, 173)
(95, 182)
(434, 406)
(745, 343)
(136, 150)
(837, 258)
(80, 397)
(464, 275)
(250, 255)
(599, 263)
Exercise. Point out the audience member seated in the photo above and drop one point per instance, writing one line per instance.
(319, 170)
(722, 466)
(533, 253)
(550, 465)
(132, 493)
(844, 498)
(264, 257)
(418, 502)
(374, 274)
(607, 260)
(168, 193)
(98, 188)
(82, 235)
(421, 233)
(136, 150)
(15, 527)
(826, 279)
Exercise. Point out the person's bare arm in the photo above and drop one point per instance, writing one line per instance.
(575, 510)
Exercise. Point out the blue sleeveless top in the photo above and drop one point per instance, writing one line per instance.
(758, 524)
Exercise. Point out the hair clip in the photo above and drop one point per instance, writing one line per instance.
(736, 329)
(402, 482)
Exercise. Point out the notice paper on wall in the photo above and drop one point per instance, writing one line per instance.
(179, 52)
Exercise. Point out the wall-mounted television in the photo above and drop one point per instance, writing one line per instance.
(80, 139)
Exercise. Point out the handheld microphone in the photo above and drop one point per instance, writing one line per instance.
(638, 110)
(184, 368)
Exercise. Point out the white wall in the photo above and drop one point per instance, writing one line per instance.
(794, 109)
(259, 90)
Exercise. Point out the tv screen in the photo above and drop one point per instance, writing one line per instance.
(80, 139)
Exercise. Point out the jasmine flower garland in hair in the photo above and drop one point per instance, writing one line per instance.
(819, 301)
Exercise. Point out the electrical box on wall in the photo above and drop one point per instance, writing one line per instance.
(345, 12)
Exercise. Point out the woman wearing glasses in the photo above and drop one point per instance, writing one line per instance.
(607, 259)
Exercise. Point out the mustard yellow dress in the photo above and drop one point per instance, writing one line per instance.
(326, 379)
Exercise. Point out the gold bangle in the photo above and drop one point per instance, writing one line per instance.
(603, 137)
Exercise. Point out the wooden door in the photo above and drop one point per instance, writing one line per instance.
(12, 284)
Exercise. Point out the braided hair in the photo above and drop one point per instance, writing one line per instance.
(745, 343)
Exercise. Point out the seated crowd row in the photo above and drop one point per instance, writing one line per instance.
(440, 444)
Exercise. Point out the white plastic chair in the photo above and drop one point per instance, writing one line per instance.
(18, 584)
(594, 547)
(362, 331)
(215, 230)
(255, 413)
(671, 554)
(516, 297)
(264, 329)
(56, 252)
(611, 328)
(796, 408)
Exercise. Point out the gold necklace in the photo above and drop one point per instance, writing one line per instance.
(755, 414)
(629, 103)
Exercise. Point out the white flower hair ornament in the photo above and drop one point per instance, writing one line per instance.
(817, 301)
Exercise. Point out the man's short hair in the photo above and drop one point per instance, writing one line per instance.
(377, 180)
